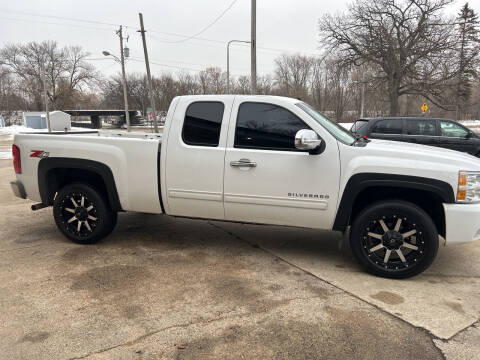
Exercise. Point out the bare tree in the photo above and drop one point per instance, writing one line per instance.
(293, 74)
(409, 42)
(67, 70)
(212, 81)
(468, 57)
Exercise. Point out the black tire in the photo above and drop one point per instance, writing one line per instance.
(97, 218)
(418, 249)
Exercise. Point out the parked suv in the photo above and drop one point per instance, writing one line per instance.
(427, 131)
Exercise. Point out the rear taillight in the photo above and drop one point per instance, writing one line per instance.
(365, 137)
(17, 162)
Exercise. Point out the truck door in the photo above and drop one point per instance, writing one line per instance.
(267, 180)
(194, 161)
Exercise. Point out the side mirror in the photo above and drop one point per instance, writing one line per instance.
(307, 140)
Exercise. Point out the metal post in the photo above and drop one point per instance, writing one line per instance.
(362, 104)
(228, 67)
(45, 95)
(149, 76)
(125, 94)
(253, 72)
(228, 60)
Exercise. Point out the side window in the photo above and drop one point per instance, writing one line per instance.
(424, 127)
(266, 126)
(391, 126)
(451, 129)
(202, 123)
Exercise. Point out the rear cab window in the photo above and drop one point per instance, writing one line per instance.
(202, 124)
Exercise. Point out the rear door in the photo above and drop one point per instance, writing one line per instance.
(267, 180)
(194, 161)
(388, 129)
(421, 131)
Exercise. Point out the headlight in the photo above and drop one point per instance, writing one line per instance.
(468, 187)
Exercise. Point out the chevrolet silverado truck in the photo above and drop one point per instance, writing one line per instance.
(264, 160)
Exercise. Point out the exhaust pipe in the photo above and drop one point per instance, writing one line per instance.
(38, 206)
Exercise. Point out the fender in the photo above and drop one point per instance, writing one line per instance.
(47, 164)
(359, 182)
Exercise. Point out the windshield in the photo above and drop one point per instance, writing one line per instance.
(333, 128)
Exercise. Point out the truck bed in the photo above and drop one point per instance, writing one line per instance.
(133, 159)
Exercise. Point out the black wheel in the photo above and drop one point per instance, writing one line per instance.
(394, 239)
(83, 214)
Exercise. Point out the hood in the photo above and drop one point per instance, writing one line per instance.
(418, 152)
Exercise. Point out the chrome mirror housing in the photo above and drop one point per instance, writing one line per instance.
(307, 140)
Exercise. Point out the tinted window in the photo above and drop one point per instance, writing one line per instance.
(339, 132)
(266, 126)
(392, 126)
(202, 123)
(421, 127)
(359, 124)
(451, 129)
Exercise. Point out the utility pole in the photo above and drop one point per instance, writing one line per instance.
(149, 76)
(45, 95)
(253, 72)
(125, 94)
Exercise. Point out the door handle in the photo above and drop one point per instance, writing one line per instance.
(243, 163)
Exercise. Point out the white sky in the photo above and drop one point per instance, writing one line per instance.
(281, 24)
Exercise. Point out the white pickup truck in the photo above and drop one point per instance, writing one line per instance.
(259, 159)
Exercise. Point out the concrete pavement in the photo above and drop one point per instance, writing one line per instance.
(166, 288)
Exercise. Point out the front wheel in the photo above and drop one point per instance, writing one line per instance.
(83, 214)
(394, 239)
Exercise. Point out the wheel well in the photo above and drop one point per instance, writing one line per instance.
(55, 173)
(59, 177)
(430, 202)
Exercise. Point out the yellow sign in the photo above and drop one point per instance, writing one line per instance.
(424, 108)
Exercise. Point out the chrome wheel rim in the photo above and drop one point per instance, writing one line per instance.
(79, 214)
(393, 243)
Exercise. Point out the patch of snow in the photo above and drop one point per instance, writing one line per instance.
(347, 126)
(16, 129)
(5, 152)
(470, 122)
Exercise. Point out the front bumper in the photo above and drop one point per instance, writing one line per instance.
(462, 222)
(18, 189)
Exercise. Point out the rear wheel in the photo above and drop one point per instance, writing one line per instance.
(394, 239)
(83, 214)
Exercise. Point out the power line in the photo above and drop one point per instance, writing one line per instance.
(54, 23)
(169, 66)
(242, 47)
(209, 25)
(177, 67)
(185, 37)
(58, 17)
